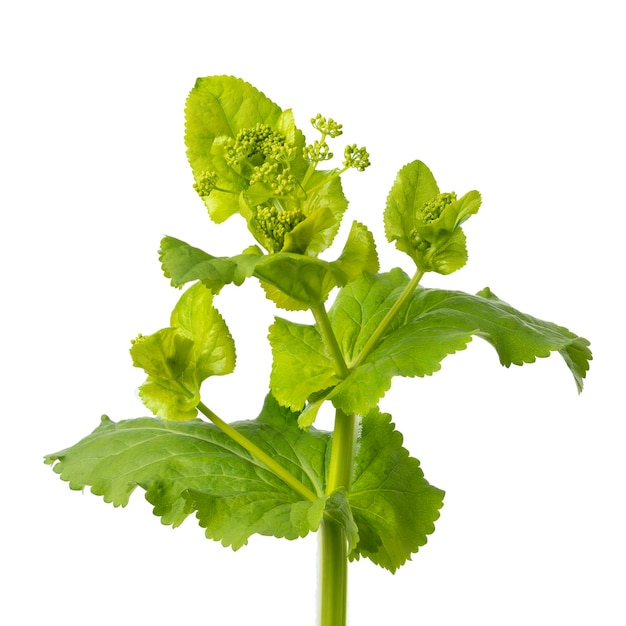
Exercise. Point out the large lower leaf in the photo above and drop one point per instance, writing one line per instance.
(393, 505)
(187, 467)
(194, 467)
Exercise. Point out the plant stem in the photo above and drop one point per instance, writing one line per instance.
(267, 460)
(330, 340)
(334, 552)
(382, 327)
(334, 575)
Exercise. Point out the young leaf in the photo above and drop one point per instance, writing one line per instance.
(177, 359)
(183, 263)
(359, 253)
(218, 107)
(187, 467)
(305, 279)
(325, 204)
(426, 224)
(394, 507)
(298, 349)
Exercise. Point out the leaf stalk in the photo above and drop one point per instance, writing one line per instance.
(253, 449)
(372, 342)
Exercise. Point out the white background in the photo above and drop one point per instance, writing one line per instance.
(523, 101)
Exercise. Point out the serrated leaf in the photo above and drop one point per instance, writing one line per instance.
(359, 253)
(183, 263)
(179, 358)
(298, 348)
(393, 505)
(187, 467)
(217, 107)
(433, 324)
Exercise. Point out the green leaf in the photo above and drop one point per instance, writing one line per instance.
(183, 263)
(433, 324)
(394, 507)
(434, 241)
(414, 186)
(298, 348)
(179, 358)
(187, 467)
(305, 279)
(359, 253)
(217, 107)
(339, 511)
(324, 204)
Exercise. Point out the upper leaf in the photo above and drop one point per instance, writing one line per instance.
(177, 359)
(305, 279)
(183, 263)
(425, 223)
(432, 324)
(220, 106)
(248, 157)
(192, 466)
(298, 348)
(393, 505)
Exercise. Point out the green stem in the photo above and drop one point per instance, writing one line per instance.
(334, 552)
(330, 340)
(384, 324)
(342, 452)
(253, 449)
(334, 575)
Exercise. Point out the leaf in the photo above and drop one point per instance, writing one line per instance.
(394, 507)
(305, 279)
(435, 243)
(179, 358)
(187, 467)
(324, 197)
(298, 348)
(359, 253)
(433, 324)
(414, 186)
(338, 510)
(220, 106)
(183, 263)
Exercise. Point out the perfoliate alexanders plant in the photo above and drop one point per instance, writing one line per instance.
(277, 474)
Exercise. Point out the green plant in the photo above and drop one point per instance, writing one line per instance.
(277, 474)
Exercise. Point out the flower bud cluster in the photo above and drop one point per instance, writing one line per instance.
(258, 141)
(205, 183)
(274, 224)
(358, 158)
(431, 210)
